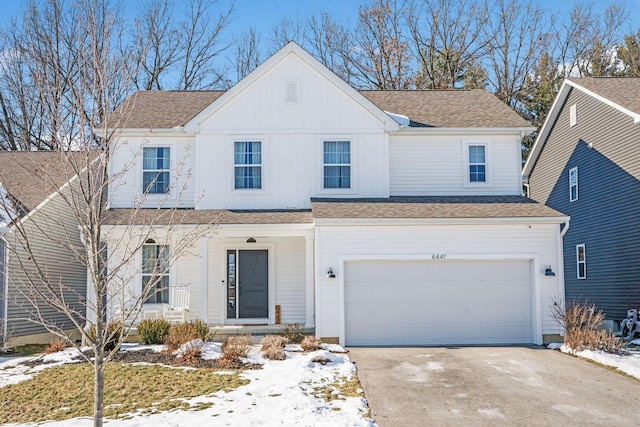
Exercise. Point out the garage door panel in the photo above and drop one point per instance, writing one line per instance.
(424, 302)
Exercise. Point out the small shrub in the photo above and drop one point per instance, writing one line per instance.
(153, 331)
(237, 346)
(582, 323)
(274, 352)
(311, 343)
(273, 341)
(114, 329)
(192, 351)
(56, 345)
(294, 332)
(185, 332)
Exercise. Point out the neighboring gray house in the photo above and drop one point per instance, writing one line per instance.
(586, 164)
(31, 206)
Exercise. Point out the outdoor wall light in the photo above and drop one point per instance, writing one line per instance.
(549, 271)
(251, 240)
(331, 274)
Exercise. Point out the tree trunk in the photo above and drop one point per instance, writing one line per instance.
(98, 387)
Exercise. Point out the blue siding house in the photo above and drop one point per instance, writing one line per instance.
(586, 164)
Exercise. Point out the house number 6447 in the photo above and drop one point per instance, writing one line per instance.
(439, 256)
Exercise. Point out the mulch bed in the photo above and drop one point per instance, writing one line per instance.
(150, 356)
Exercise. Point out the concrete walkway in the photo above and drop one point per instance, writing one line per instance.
(492, 386)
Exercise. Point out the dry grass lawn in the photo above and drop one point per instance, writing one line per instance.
(66, 391)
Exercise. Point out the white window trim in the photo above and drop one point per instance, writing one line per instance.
(578, 262)
(320, 176)
(571, 199)
(248, 191)
(173, 152)
(573, 115)
(488, 164)
(170, 274)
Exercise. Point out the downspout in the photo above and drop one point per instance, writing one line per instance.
(565, 228)
(5, 285)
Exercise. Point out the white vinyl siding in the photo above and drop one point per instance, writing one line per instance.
(581, 261)
(127, 176)
(437, 165)
(336, 245)
(573, 184)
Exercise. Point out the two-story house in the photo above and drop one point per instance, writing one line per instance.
(585, 163)
(377, 217)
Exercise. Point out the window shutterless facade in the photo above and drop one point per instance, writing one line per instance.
(581, 261)
(477, 163)
(156, 163)
(155, 272)
(336, 164)
(573, 184)
(247, 165)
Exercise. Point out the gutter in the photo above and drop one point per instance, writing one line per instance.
(566, 227)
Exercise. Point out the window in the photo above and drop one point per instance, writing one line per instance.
(337, 164)
(581, 261)
(248, 164)
(155, 272)
(477, 163)
(573, 184)
(573, 115)
(155, 170)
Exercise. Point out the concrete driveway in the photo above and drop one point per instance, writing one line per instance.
(489, 386)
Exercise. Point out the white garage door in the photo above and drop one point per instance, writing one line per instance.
(438, 302)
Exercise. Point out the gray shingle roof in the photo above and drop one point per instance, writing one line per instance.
(432, 207)
(425, 108)
(161, 109)
(624, 91)
(217, 216)
(423, 207)
(31, 176)
(447, 108)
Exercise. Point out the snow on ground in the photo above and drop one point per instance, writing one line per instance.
(627, 363)
(281, 393)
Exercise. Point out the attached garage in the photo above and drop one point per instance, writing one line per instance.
(438, 302)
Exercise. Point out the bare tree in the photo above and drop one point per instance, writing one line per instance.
(380, 57)
(519, 35)
(80, 176)
(629, 54)
(247, 55)
(181, 53)
(448, 41)
(330, 42)
(285, 31)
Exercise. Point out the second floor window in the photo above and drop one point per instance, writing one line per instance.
(155, 272)
(248, 164)
(477, 163)
(573, 184)
(156, 162)
(337, 164)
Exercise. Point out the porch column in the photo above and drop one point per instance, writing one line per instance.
(204, 279)
(310, 289)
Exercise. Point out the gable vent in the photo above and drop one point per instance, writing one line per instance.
(291, 91)
(573, 115)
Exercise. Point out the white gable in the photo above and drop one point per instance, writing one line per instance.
(292, 91)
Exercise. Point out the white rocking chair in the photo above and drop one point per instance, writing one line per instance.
(178, 308)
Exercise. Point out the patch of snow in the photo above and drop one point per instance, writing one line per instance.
(435, 367)
(281, 393)
(555, 345)
(158, 348)
(334, 348)
(211, 350)
(189, 345)
(293, 347)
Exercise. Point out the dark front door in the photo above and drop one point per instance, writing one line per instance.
(252, 299)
